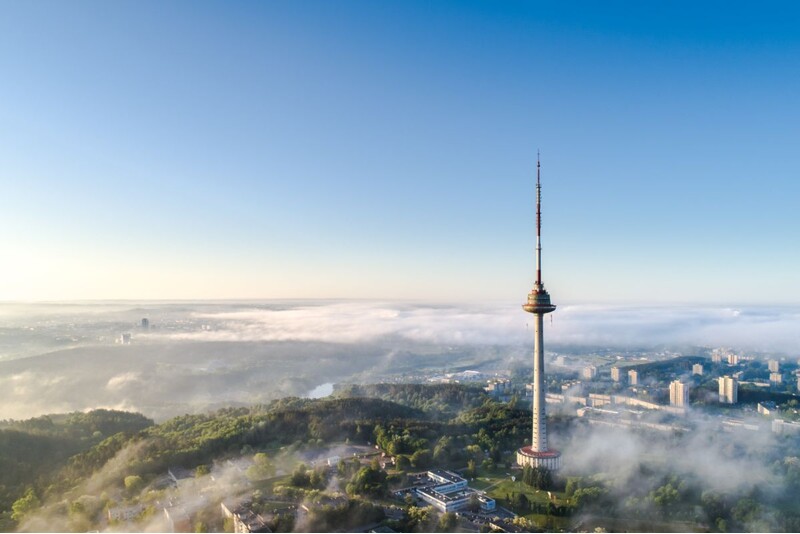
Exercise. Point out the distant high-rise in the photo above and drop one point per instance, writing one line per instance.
(774, 366)
(633, 377)
(776, 378)
(539, 454)
(728, 390)
(733, 359)
(589, 372)
(145, 323)
(678, 394)
(615, 374)
(697, 369)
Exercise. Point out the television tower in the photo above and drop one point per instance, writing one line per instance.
(539, 454)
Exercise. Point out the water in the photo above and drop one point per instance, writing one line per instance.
(322, 390)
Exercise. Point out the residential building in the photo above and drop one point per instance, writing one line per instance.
(589, 372)
(767, 408)
(728, 390)
(678, 394)
(697, 369)
(633, 377)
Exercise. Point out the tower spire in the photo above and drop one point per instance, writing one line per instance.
(538, 220)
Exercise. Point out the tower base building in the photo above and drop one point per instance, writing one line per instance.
(551, 459)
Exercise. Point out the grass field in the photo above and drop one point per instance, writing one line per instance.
(499, 486)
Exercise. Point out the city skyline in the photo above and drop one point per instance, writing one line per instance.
(386, 151)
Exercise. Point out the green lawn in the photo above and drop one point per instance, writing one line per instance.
(550, 523)
(507, 487)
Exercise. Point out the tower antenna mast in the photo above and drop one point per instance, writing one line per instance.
(538, 220)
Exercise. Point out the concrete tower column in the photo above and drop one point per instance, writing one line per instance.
(539, 441)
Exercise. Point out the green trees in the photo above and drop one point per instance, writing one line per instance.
(420, 519)
(368, 481)
(133, 484)
(447, 522)
(589, 496)
(538, 477)
(301, 477)
(24, 505)
(421, 459)
(262, 467)
(471, 470)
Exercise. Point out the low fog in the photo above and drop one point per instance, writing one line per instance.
(199, 355)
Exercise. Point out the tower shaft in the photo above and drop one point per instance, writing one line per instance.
(539, 441)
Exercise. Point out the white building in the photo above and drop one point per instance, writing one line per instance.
(124, 513)
(767, 408)
(678, 394)
(633, 377)
(779, 426)
(716, 357)
(589, 372)
(498, 387)
(697, 369)
(733, 359)
(615, 375)
(774, 366)
(775, 378)
(449, 492)
(728, 390)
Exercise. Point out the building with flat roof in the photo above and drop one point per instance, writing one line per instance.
(728, 390)
(447, 481)
(697, 369)
(733, 359)
(449, 492)
(774, 366)
(678, 394)
(453, 501)
(615, 374)
(589, 372)
(767, 408)
(779, 426)
(775, 378)
(498, 387)
(633, 377)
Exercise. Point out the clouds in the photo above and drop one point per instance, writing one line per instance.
(767, 329)
(354, 322)
(123, 380)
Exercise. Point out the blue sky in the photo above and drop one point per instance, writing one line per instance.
(387, 150)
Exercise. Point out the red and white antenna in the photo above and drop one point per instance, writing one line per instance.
(538, 221)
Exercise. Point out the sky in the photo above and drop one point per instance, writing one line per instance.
(387, 150)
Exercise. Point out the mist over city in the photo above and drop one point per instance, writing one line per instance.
(194, 356)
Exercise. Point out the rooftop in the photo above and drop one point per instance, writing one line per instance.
(447, 475)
